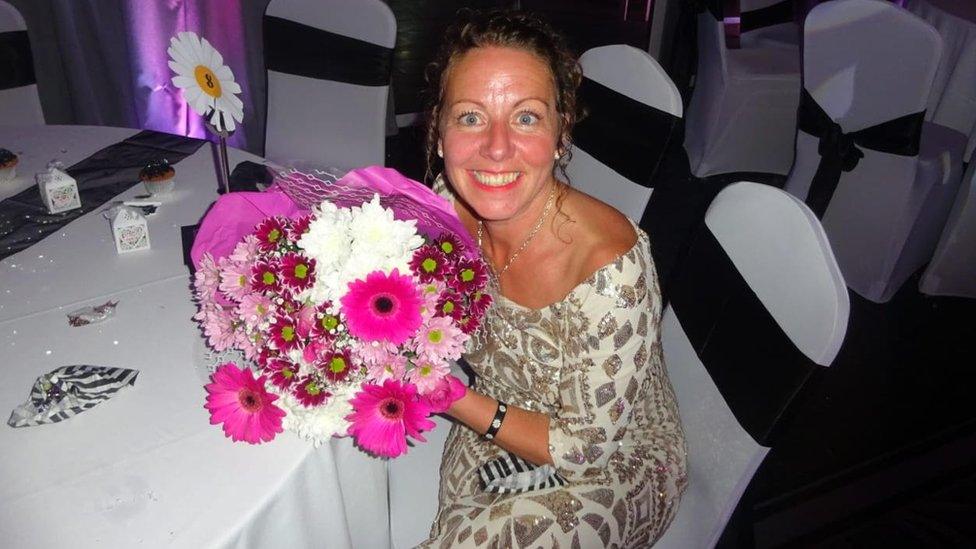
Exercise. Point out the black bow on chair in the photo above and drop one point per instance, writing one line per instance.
(16, 60)
(780, 12)
(840, 152)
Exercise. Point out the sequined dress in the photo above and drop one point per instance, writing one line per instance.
(593, 363)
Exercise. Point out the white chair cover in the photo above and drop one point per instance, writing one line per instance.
(324, 121)
(21, 105)
(778, 247)
(867, 62)
(635, 74)
(742, 115)
(783, 34)
(952, 270)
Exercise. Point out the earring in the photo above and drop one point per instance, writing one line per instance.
(440, 150)
(556, 154)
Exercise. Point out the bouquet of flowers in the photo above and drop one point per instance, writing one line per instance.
(351, 307)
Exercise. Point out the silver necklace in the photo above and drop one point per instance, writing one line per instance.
(525, 243)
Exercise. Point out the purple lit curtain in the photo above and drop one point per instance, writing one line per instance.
(104, 62)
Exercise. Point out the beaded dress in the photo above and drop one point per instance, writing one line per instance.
(593, 363)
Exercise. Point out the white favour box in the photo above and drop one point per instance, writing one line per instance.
(130, 230)
(59, 192)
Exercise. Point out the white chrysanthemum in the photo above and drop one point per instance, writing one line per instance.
(207, 84)
(328, 240)
(320, 423)
(375, 229)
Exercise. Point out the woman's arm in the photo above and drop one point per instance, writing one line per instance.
(524, 433)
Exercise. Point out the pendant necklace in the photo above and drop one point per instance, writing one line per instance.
(525, 243)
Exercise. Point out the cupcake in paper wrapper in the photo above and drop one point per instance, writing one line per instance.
(158, 177)
(8, 165)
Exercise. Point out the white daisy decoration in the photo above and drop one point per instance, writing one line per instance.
(207, 84)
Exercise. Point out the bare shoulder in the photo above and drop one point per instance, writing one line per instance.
(602, 233)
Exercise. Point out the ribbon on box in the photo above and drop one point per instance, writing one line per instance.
(840, 151)
(752, 361)
(623, 133)
(68, 391)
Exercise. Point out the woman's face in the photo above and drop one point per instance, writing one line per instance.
(499, 131)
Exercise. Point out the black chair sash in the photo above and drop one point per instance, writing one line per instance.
(16, 61)
(293, 48)
(624, 134)
(840, 152)
(751, 360)
(24, 219)
(780, 12)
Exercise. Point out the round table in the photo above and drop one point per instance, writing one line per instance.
(145, 468)
(953, 99)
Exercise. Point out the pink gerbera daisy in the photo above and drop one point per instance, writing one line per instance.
(282, 372)
(265, 276)
(284, 333)
(270, 233)
(243, 405)
(429, 263)
(337, 365)
(310, 392)
(385, 415)
(468, 275)
(297, 271)
(382, 307)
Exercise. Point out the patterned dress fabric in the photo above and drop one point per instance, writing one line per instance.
(593, 363)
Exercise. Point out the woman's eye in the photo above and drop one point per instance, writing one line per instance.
(468, 119)
(527, 118)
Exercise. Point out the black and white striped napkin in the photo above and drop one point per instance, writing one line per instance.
(69, 390)
(511, 474)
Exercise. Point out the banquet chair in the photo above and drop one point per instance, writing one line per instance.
(329, 68)
(742, 114)
(768, 23)
(952, 270)
(19, 99)
(633, 117)
(881, 179)
(757, 307)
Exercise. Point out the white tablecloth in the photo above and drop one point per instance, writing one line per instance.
(146, 469)
(953, 99)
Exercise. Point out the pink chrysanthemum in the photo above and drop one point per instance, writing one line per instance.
(207, 278)
(281, 372)
(284, 333)
(426, 375)
(382, 307)
(377, 351)
(337, 365)
(297, 271)
(468, 275)
(235, 279)
(310, 392)
(393, 366)
(250, 343)
(218, 326)
(254, 309)
(429, 263)
(385, 415)
(243, 405)
(440, 339)
(450, 244)
(468, 323)
(246, 250)
(325, 322)
(271, 232)
(479, 303)
(299, 227)
(450, 304)
(265, 276)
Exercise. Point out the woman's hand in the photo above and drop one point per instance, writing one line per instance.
(524, 433)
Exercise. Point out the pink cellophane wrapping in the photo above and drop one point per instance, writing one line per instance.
(294, 193)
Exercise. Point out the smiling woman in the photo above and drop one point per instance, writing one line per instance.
(572, 437)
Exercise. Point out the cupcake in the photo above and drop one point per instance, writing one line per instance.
(158, 177)
(8, 165)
